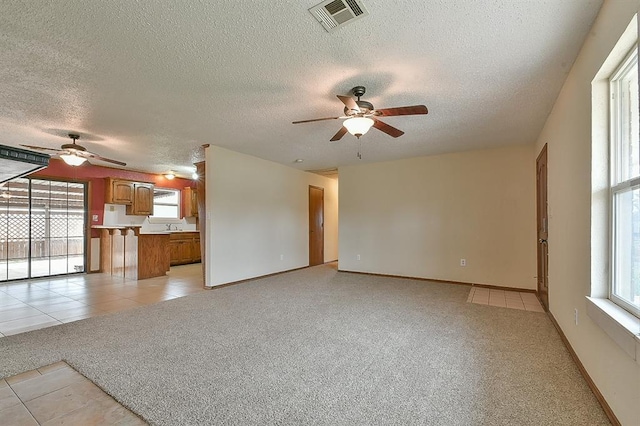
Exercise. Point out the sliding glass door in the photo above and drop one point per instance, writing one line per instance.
(42, 228)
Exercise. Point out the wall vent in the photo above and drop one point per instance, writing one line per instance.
(333, 14)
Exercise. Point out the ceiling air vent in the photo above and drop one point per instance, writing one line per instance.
(334, 14)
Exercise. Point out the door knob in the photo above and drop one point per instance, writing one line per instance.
(542, 241)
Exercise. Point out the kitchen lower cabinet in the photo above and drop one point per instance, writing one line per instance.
(184, 248)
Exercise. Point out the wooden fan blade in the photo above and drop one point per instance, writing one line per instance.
(384, 127)
(40, 148)
(339, 135)
(407, 110)
(350, 103)
(88, 154)
(315, 119)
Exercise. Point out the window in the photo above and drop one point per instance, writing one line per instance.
(625, 185)
(166, 203)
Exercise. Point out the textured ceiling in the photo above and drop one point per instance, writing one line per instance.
(149, 82)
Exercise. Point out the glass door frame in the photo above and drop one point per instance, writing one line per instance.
(86, 227)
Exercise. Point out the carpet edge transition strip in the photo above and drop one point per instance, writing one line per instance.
(246, 280)
(406, 277)
(596, 392)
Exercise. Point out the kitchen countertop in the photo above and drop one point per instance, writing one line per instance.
(141, 232)
(180, 231)
(115, 226)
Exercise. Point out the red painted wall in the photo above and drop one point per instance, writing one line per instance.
(96, 174)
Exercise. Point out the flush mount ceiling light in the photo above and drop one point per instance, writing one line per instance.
(170, 174)
(358, 126)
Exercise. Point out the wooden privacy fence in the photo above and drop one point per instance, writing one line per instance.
(18, 248)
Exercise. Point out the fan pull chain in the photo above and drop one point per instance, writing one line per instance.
(359, 155)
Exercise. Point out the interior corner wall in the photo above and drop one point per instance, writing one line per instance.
(419, 217)
(258, 217)
(568, 135)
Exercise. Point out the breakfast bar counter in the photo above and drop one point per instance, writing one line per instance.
(125, 252)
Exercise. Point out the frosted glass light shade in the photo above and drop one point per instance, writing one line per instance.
(72, 159)
(358, 126)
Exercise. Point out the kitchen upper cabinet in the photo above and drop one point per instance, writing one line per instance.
(119, 191)
(137, 196)
(190, 199)
(142, 200)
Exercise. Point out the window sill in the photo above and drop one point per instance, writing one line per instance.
(620, 325)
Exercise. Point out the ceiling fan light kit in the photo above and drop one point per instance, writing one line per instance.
(361, 116)
(72, 159)
(74, 154)
(358, 126)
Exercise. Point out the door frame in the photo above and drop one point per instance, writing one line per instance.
(87, 222)
(542, 230)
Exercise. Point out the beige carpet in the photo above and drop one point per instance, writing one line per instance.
(317, 346)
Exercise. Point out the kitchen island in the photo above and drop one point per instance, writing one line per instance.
(127, 253)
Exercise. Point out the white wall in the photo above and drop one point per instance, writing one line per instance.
(568, 133)
(418, 217)
(257, 211)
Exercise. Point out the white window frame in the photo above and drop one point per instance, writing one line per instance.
(618, 109)
(178, 205)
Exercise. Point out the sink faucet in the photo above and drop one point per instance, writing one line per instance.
(168, 227)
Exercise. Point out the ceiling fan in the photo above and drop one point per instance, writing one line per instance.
(361, 116)
(74, 154)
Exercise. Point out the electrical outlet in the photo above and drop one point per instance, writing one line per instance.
(94, 218)
(112, 208)
(282, 257)
(463, 262)
(575, 315)
(358, 257)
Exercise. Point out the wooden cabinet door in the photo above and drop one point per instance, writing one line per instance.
(143, 199)
(181, 251)
(196, 250)
(194, 203)
(190, 199)
(121, 192)
(174, 250)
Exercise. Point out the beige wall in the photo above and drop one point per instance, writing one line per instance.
(257, 211)
(418, 217)
(568, 134)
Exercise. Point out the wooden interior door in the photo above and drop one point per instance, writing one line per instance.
(543, 228)
(316, 225)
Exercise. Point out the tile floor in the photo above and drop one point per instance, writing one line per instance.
(505, 299)
(59, 395)
(45, 302)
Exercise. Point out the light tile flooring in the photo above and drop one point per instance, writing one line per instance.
(59, 395)
(45, 302)
(505, 299)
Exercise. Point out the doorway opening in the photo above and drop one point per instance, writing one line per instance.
(43, 227)
(542, 217)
